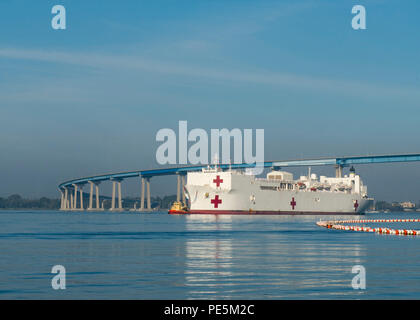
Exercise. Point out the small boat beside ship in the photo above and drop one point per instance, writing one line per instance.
(178, 208)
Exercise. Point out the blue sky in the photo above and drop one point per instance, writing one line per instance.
(90, 99)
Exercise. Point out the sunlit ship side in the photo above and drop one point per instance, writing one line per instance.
(213, 191)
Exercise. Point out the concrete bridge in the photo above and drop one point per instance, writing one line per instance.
(73, 189)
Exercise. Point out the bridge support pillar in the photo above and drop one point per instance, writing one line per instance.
(66, 200)
(74, 207)
(114, 184)
(81, 198)
(119, 196)
(91, 196)
(149, 203)
(97, 196)
(178, 188)
(183, 189)
(338, 171)
(62, 200)
(180, 192)
(142, 195)
(71, 201)
(113, 195)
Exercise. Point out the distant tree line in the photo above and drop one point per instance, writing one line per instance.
(156, 202)
(15, 201)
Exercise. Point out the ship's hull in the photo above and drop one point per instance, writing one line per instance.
(241, 194)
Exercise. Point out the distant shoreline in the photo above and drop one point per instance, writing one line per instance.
(18, 203)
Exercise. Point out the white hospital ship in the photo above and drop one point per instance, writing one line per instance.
(213, 191)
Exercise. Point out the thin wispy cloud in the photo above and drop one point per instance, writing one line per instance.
(285, 80)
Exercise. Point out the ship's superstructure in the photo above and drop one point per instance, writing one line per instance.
(213, 191)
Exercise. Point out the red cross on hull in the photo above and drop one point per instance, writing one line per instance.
(216, 201)
(356, 205)
(293, 203)
(218, 181)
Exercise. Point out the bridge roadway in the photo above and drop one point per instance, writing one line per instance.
(69, 189)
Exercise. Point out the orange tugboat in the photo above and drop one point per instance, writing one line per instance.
(178, 208)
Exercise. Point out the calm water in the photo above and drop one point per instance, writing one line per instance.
(158, 256)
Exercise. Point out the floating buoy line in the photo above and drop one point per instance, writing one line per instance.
(339, 225)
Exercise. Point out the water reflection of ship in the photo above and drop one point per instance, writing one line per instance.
(208, 255)
(232, 257)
